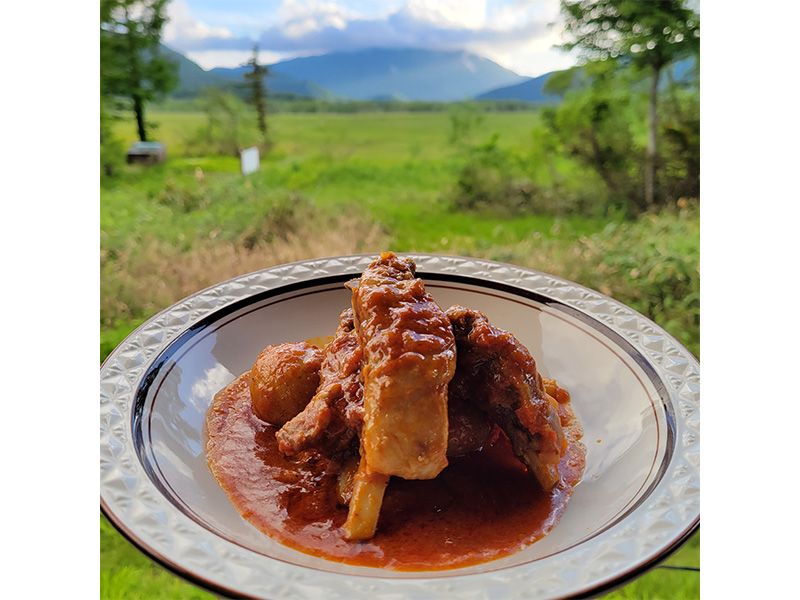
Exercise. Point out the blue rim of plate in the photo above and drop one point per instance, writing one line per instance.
(129, 370)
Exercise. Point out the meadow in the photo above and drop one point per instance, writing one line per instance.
(336, 184)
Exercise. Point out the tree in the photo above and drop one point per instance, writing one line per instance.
(650, 34)
(258, 90)
(592, 125)
(130, 63)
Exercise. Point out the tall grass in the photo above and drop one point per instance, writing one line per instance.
(153, 274)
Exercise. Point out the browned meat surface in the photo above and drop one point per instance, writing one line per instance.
(283, 380)
(335, 415)
(498, 374)
(332, 419)
(409, 359)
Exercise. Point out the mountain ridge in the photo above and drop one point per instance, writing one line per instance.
(530, 90)
(375, 73)
(193, 78)
(408, 73)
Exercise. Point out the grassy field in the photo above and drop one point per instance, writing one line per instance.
(340, 184)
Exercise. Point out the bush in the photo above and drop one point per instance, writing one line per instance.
(230, 127)
(651, 264)
(112, 151)
(487, 181)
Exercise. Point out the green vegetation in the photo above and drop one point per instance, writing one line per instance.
(338, 184)
(131, 66)
(578, 189)
(650, 35)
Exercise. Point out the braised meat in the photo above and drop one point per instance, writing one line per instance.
(408, 361)
(402, 386)
(468, 426)
(498, 374)
(332, 419)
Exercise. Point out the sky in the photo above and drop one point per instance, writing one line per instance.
(517, 34)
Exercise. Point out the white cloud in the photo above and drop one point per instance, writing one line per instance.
(514, 33)
(451, 14)
(208, 59)
(183, 26)
(298, 19)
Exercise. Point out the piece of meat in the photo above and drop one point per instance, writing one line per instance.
(283, 380)
(335, 415)
(333, 418)
(468, 426)
(498, 374)
(408, 361)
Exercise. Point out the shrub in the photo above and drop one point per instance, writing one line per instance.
(112, 151)
(651, 264)
(230, 126)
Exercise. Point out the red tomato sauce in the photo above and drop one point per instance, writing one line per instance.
(481, 507)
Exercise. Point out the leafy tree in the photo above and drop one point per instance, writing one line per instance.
(680, 132)
(592, 125)
(650, 34)
(258, 93)
(130, 64)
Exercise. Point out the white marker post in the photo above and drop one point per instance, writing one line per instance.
(250, 160)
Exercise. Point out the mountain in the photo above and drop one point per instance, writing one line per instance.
(373, 74)
(277, 83)
(531, 89)
(527, 91)
(407, 73)
(192, 78)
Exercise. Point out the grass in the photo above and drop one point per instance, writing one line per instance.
(135, 577)
(343, 183)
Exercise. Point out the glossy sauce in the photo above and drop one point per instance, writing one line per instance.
(483, 506)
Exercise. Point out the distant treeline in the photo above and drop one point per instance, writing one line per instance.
(289, 103)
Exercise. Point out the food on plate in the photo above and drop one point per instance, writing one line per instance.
(409, 357)
(333, 417)
(499, 374)
(283, 379)
(429, 439)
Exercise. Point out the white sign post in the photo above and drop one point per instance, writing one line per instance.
(250, 160)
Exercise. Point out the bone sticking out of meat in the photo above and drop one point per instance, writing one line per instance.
(498, 374)
(408, 360)
(365, 502)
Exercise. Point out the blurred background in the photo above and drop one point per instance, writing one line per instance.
(237, 135)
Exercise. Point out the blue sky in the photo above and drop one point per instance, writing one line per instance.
(221, 33)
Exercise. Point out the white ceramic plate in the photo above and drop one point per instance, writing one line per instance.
(634, 388)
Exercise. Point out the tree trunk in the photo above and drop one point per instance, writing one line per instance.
(650, 163)
(135, 77)
(138, 108)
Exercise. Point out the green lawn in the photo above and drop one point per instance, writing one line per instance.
(366, 182)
